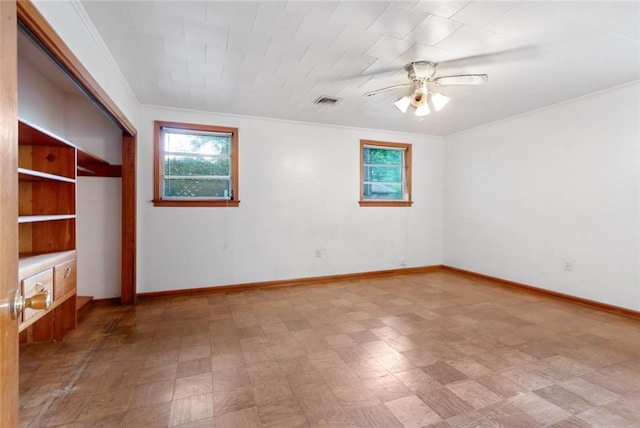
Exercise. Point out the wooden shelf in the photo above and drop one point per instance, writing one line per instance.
(32, 175)
(90, 165)
(86, 159)
(36, 262)
(40, 151)
(33, 135)
(39, 218)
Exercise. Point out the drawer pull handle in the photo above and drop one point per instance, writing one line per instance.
(67, 272)
(41, 300)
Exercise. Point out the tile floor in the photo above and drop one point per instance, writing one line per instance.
(438, 349)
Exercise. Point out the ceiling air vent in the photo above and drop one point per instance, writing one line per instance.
(327, 100)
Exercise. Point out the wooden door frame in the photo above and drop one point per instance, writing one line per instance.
(9, 397)
(30, 18)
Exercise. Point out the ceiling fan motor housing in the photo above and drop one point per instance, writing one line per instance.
(421, 71)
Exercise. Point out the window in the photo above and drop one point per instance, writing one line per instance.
(195, 165)
(385, 174)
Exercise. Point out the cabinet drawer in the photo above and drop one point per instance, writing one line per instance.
(31, 286)
(64, 278)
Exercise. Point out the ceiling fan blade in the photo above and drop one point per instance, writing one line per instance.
(388, 88)
(520, 53)
(373, 70)
(461, 79)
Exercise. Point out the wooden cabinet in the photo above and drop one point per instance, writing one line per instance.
(47, 168)
(64, 279)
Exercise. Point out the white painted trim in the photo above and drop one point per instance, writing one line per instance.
(290, 121)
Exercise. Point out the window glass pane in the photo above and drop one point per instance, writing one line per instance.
(194, 188)
(386, 170)
(383, 191)
(383, 156)
(195, 165)
(194, 143)
(391, 174)
(190, 165)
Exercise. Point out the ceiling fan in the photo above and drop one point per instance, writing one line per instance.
(421, 74)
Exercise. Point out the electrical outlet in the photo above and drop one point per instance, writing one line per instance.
(318, 252)
(567, 265)
(403, 263)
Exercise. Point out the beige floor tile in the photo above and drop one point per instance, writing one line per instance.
(246, 418)
(373, 416)
(191, 409)
(355, 395)
(271, 389)
(444, 373)
(193, 385)
(444, 402)
(153, 415)
(627, 407)
(285, 413)
(412, 412)
(440, 348)
(540, 409)
(152, 393)
(387, 388)
(474, 393)
(193, 367)
(233, 399)
(564, 398)
(601, 417)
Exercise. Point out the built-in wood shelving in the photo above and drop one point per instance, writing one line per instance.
(47, 167)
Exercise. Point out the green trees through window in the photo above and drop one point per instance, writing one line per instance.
(383, 173)
(386, 172)
(197, 165)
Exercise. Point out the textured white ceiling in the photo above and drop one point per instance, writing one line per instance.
(274, 58)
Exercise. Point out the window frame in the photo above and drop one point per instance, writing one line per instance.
(407, 175)
(158, 201)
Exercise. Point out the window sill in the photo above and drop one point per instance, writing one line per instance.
(194, 203)
(386, 203)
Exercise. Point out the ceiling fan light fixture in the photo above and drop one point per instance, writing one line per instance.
(422, 110)
(419, 97)
(403, 104)
(421, 74)
(439, 101)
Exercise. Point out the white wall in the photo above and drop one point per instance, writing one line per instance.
(69, 19)
(39, 100)
(526, 194)
(299, 186)
(89, 128)
(98, 231)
